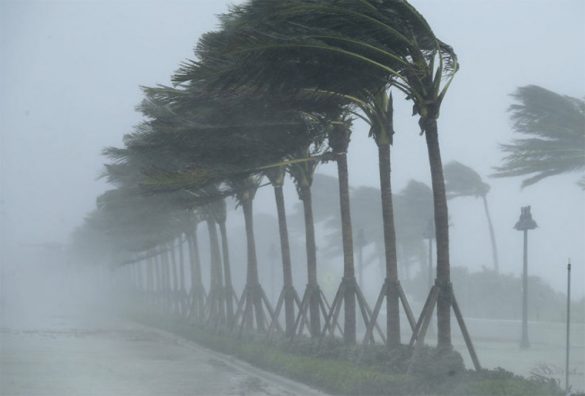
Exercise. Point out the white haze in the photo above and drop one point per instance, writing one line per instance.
(69, 80)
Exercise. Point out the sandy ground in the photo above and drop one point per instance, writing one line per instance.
(65, 354)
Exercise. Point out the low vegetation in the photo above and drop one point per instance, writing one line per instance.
(357, 370)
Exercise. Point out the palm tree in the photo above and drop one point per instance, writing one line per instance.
(132, 165)
(220, 216)
(355, 51)
(349, 289)
(216, 298)
(182, 294)
(136, 223)
(370, 97)
(253, 297)
(198, 295)
(288, 296)
(462, 181)
(555, 136)
(253, 131)
(302, 174)
(339, 137)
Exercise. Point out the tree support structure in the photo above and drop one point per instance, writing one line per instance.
(442, 291)
(253, 300)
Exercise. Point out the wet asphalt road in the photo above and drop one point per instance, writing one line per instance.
(64, 354)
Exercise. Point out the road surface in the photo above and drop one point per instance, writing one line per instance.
(66, 354)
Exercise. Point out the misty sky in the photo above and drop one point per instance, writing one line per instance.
(70, 73)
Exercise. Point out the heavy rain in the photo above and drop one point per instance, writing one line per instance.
(292, 197)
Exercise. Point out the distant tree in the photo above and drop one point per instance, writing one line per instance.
(414, 213)
(555, 126)
(462, 181)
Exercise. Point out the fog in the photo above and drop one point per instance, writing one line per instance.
(70, 78)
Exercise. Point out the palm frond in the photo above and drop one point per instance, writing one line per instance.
(556, 126)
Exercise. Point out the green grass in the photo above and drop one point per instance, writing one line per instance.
(338, 369)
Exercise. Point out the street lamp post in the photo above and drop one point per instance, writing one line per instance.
(524, 224)
(567, 386)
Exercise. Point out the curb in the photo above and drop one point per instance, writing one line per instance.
(241, 365)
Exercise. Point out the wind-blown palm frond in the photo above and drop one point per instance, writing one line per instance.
(342, 47)
(556, 124)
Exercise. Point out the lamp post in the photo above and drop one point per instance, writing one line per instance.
(524, 224)
(567, 387)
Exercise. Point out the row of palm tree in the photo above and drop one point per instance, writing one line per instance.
(276, 88)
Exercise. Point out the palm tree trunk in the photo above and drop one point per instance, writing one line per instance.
(181, 287)
(196, 277)
(175, 276)
(442, 235)
(138, 275)
(227, 272)
(524, 343)
(166, 278)
(131, 277)
(158, 277)
(492, 235)
(314, 317)
(252, 272)
(349, 332)
(392, 298)
(150, 279)
(215, 289)
(149, 275)
(289, 314)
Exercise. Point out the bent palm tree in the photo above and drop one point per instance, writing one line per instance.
(220, 215)
(555, 126)
(462, 181)
(349, 290)
(276, 175)
(357, 51)
(302, 174)
(253, 296)
(309, 50)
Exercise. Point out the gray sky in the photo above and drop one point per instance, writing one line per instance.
(70, 73)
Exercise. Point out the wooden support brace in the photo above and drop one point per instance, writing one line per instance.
(335, 307)
(406, 306)
(422, 316)
(465, 333)
(240, 306)
(302, 317)
(279, 305)
(325, 308)
(372, 320)
(247, 311)
(420, 339)
(374, 317)
(273, 318)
